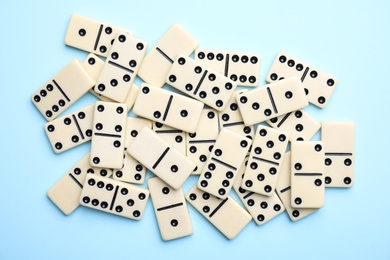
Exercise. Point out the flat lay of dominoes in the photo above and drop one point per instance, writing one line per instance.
(200, 117)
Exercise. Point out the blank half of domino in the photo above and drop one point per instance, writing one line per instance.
(62, 90)
(226, 215)
(160, 58)
(65, 194)
(339, 146)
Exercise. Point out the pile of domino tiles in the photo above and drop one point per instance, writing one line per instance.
(212, 131)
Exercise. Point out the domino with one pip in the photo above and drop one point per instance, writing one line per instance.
(159, 60)
(132, 171)
(339, 146)
(90, 35)
(65, 194)
(171, 210)
(108, 137)
(243, 68)
(226, 215)
(200, 82)
(298, 124)
(223, 163)
(121, 66)
(318, 85)
(265, 159)
(262, 208)
(283, 189)
(271, 100)
(201, 143)
(307, 174)
(62, 90)
(114, 197)
(161, 158)
(167, 107)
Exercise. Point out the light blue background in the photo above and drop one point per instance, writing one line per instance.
(348, 39)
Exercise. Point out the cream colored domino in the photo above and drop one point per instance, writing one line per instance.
(283, 189)
(65, 194)
(168, 108)
(90, 35)
(171, 210)
(318, 85)
(173, 136)
(265, 159)
(108, 137)
(200, 82)
(271, 100)
(231, 118)
(262, 208)
(200, 143)
(71, 130)
(339, 146)
(158, 61)
(243, 68)
(226, 215)
(132, 170)
(307, 174)
(223, 163)
(114, 197)
(161, 158)
(300, 125)
(93, 65)
(121, 66)
(62, 90)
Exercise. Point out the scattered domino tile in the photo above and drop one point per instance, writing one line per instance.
(132, 171)
(200, 82)
(168, 108)
(200, 143)
(121, 66)
(271, 100)
(265, 159)
(62, 90)
(298, 124)
(114, 197)
(71, 130)
(90, 35)
(307, 174)
(243, 68)
(93, 65)
(318, 85)
(283, 189)
(109, 126)
(161, 158)
(173, 136)
(223, 163)
(262, 208)
(65, 194)
(231, 118)
(186, 137)
(226, 215)
(339, 147)
(159, 60)
(171, 210)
